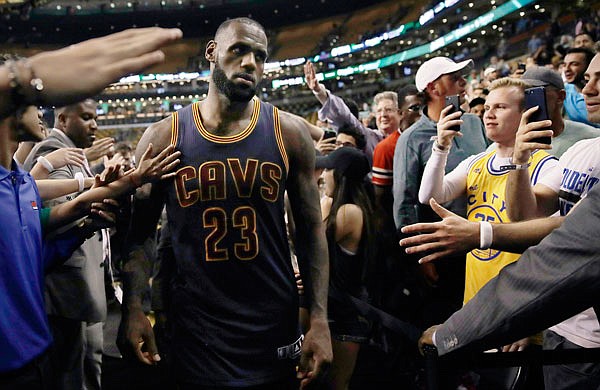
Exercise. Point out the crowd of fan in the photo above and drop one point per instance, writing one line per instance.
(413, 148)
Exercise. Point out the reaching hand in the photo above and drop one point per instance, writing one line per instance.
(99, 148)
(427, 338)
(107, 176)
(84, 69)
(446, 122)
(527, 134)
(316, 354)
(453, 234)
(66, 156)
(311, 77)
(102, 215)
(519, 345)
(158, 168)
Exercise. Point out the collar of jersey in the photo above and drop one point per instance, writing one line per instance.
(226, 139)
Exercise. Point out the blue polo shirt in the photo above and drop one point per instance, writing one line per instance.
(24, 331)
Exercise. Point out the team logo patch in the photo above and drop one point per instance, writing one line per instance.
(34, 205)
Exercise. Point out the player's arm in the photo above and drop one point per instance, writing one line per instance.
(136, 270)
(313, 258)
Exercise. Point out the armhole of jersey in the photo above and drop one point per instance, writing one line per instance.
(475, 159)
(537, 167)
(279, 139)
(174, 128)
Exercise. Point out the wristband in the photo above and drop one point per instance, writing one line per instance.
(486, 235)
(515, 167)
(45, 163)
(439, 148)
(80, 181)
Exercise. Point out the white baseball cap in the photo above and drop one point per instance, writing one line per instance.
(432, 69)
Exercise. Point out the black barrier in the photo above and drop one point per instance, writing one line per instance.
(501, 359)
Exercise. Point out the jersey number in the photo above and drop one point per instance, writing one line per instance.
(243, 220)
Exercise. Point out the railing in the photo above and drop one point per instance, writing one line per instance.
(434, 363)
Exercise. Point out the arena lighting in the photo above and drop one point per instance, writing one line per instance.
(419, 51)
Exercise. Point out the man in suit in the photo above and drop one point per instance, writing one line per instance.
(521, 299)
(75, 298)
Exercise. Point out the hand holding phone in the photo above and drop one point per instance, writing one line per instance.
(328, 133)
(454, 101)
(536, 96)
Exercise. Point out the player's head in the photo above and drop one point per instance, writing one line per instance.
(237, 56)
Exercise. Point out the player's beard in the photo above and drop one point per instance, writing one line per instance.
(234, 92)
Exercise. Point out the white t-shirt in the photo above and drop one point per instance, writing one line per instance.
(578, 170)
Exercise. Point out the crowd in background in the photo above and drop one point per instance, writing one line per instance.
(381, 168)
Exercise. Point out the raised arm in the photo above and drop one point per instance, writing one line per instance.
(522, 200)
(57, 75)
(313, 258)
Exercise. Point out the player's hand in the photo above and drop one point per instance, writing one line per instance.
(451, 235)
(528, 132)
(66, 156)
(136, 337)
(99, 148)
(152, 169)
(316, 355)
(446, 122)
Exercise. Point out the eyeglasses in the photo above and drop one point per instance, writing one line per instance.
(414, 108)
(347, 143)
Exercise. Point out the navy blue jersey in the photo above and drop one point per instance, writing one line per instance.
(235, 303)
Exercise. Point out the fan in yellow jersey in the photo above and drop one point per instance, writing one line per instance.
(481, 179)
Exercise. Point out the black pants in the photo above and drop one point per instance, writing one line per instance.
(35, 375)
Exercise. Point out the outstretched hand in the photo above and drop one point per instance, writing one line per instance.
(99, 148)
(102, 61)
(453, 234)
(66, 156)
(152, 169)
(311, 77)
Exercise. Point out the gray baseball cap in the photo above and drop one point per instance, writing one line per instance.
(540, 76)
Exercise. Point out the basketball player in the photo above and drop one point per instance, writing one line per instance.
(234, 309)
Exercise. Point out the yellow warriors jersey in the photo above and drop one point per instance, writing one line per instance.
(486, 186)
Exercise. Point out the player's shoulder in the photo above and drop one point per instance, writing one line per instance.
(158, 134)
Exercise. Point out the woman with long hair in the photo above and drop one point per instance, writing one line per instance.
(347, 211)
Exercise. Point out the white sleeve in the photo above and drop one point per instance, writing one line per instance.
(552, 176)
(443, 188)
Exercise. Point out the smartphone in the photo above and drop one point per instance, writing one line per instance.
(328, 133)
(454, 101)
(536, 96)
(522, 66)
